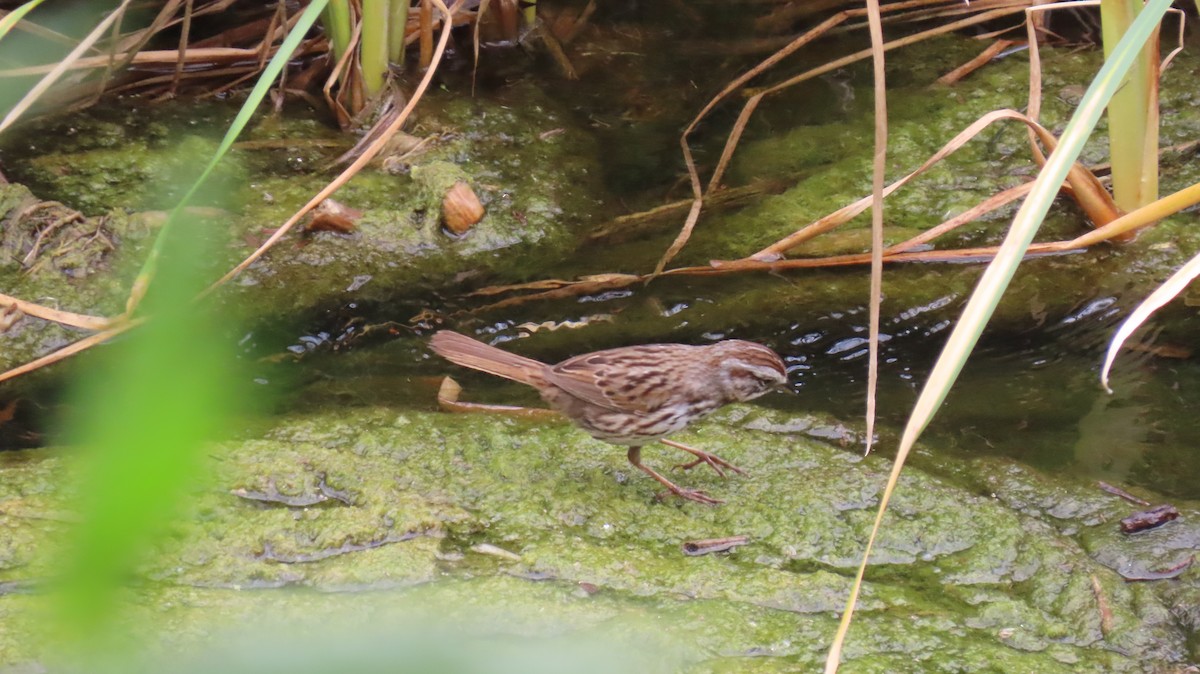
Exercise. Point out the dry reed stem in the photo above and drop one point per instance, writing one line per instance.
(878, 170)
(634, 222)
(164, 57)
(340, 72)
(58, 69)
(447, 397)
(845, 213)
(581, 22)
(483, 7)
(735, 135)
(976, 63)
(274, 27)
(554, 289)
(43, 312)
(70, 350)
(970, 215)
(426, 32)
(184, 33)
(1089, 194)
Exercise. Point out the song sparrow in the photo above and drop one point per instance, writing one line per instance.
(636, 394)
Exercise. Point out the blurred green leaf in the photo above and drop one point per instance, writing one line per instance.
(145, 409)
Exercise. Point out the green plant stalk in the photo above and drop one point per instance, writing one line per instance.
(337, 26)
(1000, 271)
(373, 48)
(16, 15)
(275, 66)
(1133, 112)
(397, 25)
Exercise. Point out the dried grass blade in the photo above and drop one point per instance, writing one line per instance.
(877, 181)
(70, 350)
(847, 212)
(57, 315)
(156, 57)
(986, 206)
(51, 77)
(1157, 299)
(1142, 217)
(976, 63)
(996, 277)
(693, 174)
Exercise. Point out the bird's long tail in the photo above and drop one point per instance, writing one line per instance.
(472, 353)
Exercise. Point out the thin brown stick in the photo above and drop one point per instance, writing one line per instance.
(693, 174)
(976, 63)
(1102, 607)
(1117, 491)
(561, 289)
(184, 33)
(112, 60)
(449, 391)
(581, 22)
(970, 215)
(70, 350)
(557, 53)
(636, 222)
(341, 72)
(56, 315)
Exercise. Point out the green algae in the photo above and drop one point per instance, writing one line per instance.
(959, 578)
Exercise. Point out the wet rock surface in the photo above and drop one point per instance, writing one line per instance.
(982, 563)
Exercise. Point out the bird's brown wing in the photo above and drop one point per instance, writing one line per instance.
(627, 379)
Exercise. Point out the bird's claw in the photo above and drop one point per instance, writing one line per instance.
(713, 461)
(696, 495)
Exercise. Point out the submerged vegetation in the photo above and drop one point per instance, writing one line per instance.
(469, 203)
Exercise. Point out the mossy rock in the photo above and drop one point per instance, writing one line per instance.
(989, 567)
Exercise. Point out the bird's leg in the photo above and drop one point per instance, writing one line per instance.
(635, 457)
(715, 462)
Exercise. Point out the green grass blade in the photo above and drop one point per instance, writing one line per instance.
(11, 19)
(257, 94)
(996, 277)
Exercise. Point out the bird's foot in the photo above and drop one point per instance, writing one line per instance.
(635, 458)
(711, 460)
(693, 495)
